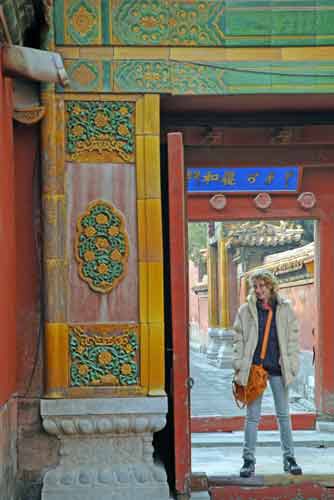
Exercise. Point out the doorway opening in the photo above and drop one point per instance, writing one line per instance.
(221, 257)
(202, 207)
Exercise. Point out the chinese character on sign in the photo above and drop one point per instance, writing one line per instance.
(269, 179)
(288, 176)
(195, 174)
(252, 178)
(209, 177)
(228, 178)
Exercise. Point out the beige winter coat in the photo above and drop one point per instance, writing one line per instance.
(246, 329)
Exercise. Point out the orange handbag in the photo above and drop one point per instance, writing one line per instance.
(258, 376)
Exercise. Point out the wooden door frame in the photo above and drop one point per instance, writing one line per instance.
(198, 208)
(180, 312)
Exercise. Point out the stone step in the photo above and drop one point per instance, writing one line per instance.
(314, 439)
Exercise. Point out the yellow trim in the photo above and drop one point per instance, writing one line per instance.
(157, 360)
(212, 286)
(104, 392)
(152, 166)
(224, 281)
(152, 114)
(70, 96)
(122, 53)
(154, 230)
(140, 166)
(144, 356)
(143, 291)
(142, 230)
(310, 267)
(221, 54)
(155, 292)
(56, 359)
(140, 116)
(195, 54)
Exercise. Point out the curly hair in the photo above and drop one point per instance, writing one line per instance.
(267, 276)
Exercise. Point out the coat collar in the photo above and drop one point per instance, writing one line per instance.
(251, 299)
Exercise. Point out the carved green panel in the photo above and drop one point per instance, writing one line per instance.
(100, 131)
(110, 360)
(142, 76)
(196, 23)
(83, 22)
(196, 79)
(141, 22)
(101, 246)
(88, 76)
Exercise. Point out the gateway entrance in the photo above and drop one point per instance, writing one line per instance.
(312, 201)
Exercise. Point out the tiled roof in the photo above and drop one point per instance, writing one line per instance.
(259, 234)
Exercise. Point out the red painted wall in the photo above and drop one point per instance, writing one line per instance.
(7, 245)
(27, 193)
(198, 310)
(304, 301)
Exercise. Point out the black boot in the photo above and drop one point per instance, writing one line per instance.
(248, 468)
(292, 467)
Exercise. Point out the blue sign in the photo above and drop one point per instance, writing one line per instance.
(243, 180)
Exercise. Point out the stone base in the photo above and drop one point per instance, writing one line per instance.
(8, 440)
(325, 425)
(225, 353)
(106, 450)
(215, 341)
(122, 482)
(219, 351)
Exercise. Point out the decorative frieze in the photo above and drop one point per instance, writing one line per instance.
(189, 76)
(194, 23)
(104, 424)
(100, 131)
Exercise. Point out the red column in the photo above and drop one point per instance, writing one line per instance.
(7, 245)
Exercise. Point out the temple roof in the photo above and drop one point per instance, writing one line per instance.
(288, 261)
(267, 234)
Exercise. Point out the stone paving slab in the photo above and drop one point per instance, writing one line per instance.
(227, 461)
(211, 394)
(312, 438)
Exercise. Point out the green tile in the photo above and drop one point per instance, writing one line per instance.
(142, 76)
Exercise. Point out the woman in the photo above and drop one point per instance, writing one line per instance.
(281, 362)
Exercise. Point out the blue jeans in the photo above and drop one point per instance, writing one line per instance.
(281, 400)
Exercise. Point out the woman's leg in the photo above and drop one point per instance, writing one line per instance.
(281, 399)
(251, 425)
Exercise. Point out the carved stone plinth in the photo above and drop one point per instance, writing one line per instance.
(106, 450)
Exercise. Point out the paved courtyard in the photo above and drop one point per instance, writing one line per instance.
(211, 394)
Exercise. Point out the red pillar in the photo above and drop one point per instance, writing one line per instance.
(7, 245)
